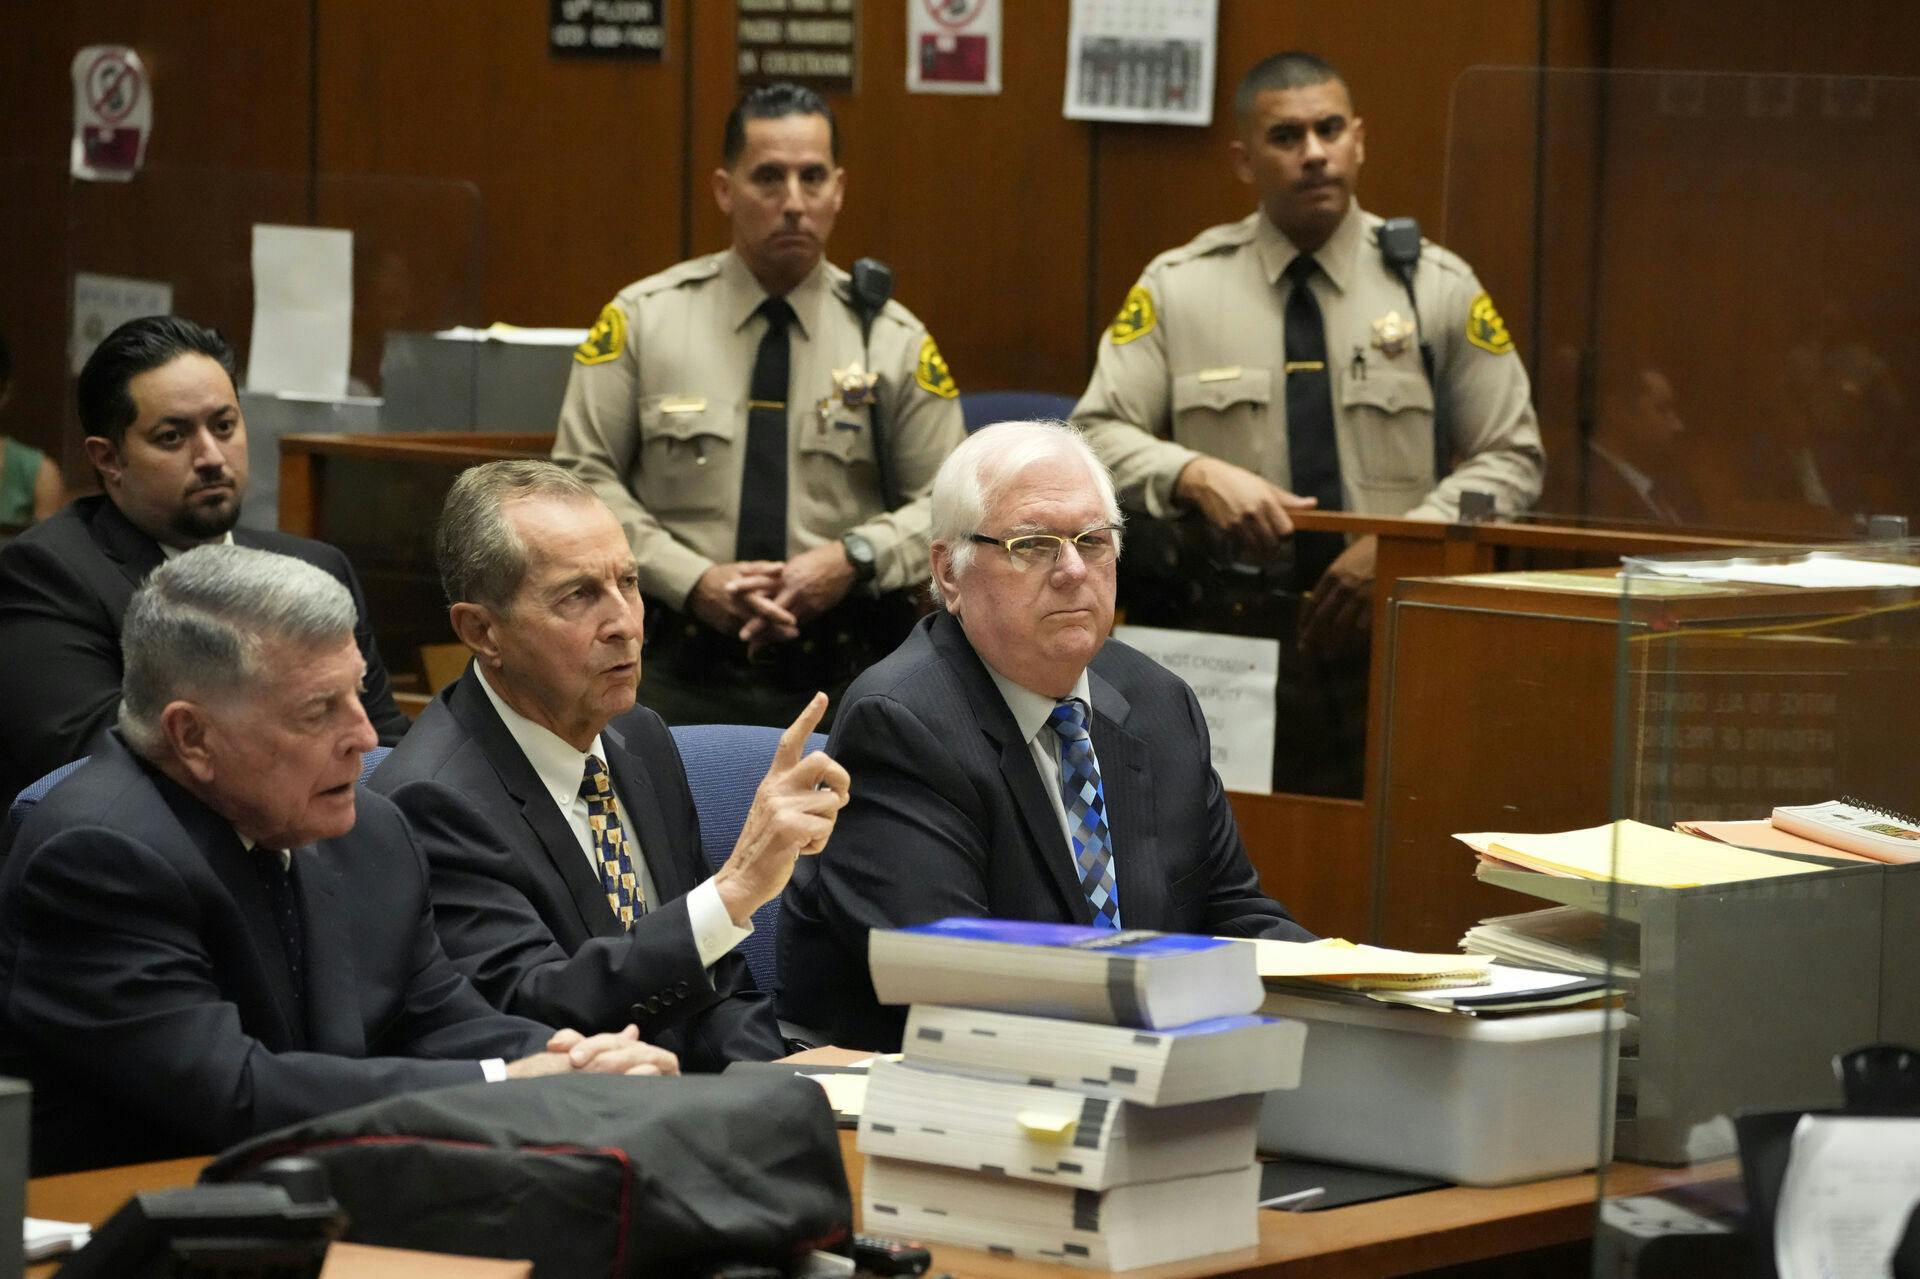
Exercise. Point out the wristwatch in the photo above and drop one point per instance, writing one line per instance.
(860, 554)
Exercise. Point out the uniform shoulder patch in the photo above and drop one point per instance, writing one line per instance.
(606, 339)
(1136, 318)
(1485, 328)
(932, 372)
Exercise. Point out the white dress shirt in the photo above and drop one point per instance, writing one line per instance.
(560, 768)
(1030, 711)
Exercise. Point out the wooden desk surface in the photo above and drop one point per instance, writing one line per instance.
(1392, 1236)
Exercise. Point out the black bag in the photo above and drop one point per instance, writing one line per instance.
(586, 1174)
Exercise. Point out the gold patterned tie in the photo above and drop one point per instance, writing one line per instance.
(610, 849)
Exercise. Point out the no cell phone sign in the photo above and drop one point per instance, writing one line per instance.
(112, 113)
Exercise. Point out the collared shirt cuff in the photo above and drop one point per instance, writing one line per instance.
(494, 1068)
(714, 932)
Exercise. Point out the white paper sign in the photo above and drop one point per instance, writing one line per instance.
(302, 310)
(1234, 677)
(1142, 61)
(112, 113)
(953, 46)
(1849, 1188)
(102, 303)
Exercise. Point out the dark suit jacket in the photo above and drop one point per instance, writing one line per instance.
(949, 816)
(143, 991)
(520, 909)
(64, 588)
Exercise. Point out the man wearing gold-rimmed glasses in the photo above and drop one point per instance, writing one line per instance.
(1009, 760)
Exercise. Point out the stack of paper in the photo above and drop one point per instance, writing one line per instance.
(1336, 964)
(1508, 991)
(1763, 836)
(1058, 1099)
(1632, 852)
(1561, 937)
(44, 1238)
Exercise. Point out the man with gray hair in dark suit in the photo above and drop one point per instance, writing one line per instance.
(208, 931)
(1009, 759)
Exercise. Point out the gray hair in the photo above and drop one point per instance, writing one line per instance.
(986, 464)
(481, 558)
(197, 627)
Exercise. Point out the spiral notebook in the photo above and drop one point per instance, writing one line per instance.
(1845, 823)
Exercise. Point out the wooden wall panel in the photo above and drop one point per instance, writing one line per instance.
(577, 162)
(978, 203)
(231, 90)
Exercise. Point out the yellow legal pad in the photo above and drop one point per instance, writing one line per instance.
(1336, 962)
(1635, 853)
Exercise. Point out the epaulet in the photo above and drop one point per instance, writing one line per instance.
(1225, 238)
(692, 271)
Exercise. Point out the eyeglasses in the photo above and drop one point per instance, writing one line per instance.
(1097, 547)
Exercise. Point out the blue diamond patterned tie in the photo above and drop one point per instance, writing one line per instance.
(610, 845)
(1086, 804)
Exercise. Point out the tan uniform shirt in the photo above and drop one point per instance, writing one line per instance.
(655, 419)
(1194, 365)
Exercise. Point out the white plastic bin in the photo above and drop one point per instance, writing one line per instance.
(1481, 1102)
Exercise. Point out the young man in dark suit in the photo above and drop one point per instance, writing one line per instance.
(1009, 760)
(166, 436)
(568, 877)
(207, 932)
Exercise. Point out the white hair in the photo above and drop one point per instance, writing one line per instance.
(197, 627)
(978, 474)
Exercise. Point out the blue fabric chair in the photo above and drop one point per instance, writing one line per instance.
(725, 763)
(983, 408)
(24, 802)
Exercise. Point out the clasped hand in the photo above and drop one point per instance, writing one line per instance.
(766, 602)
(613, 1053)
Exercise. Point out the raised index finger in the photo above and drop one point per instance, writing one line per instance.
(793, 742)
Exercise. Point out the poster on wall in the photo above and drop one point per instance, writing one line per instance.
(1233, 678)
(632, 29)
(809, 42)
(102, 303)
(112, 114)
(1142, 61)
(953, 46)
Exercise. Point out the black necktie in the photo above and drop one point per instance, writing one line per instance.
(1311, 451)
(763, 477)
(285, 899)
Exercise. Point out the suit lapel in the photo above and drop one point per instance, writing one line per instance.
(469, 704)
(646, 832)
(333, 1002)
(1126, 776)
(134, 552)
(1046, 842)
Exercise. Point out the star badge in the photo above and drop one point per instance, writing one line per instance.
(854, 385)
(1391, 333)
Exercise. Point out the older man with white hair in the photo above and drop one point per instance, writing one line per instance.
(207, 932)
(1009, 759)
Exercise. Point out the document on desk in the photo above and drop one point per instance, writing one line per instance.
(1334, 961)
(1634, 853)
(1850, 1185)
(45, 1238)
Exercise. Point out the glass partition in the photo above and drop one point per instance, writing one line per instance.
(1763, 715)
(1711, 279)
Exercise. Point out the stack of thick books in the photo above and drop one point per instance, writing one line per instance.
(1071, 1094)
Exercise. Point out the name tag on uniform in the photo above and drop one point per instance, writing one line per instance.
(684, 404)
(1225, 373)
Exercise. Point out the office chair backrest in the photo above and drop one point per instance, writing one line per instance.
(725, 764)
(25, 801)
(983, 408)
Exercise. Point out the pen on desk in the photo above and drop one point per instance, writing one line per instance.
(1295, 1201)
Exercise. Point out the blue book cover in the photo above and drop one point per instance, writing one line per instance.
(1022, 932)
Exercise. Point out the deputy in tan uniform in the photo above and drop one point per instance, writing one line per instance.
(1197, 380)
(769, 463)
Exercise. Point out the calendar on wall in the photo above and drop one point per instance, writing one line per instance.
(1142, 61)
